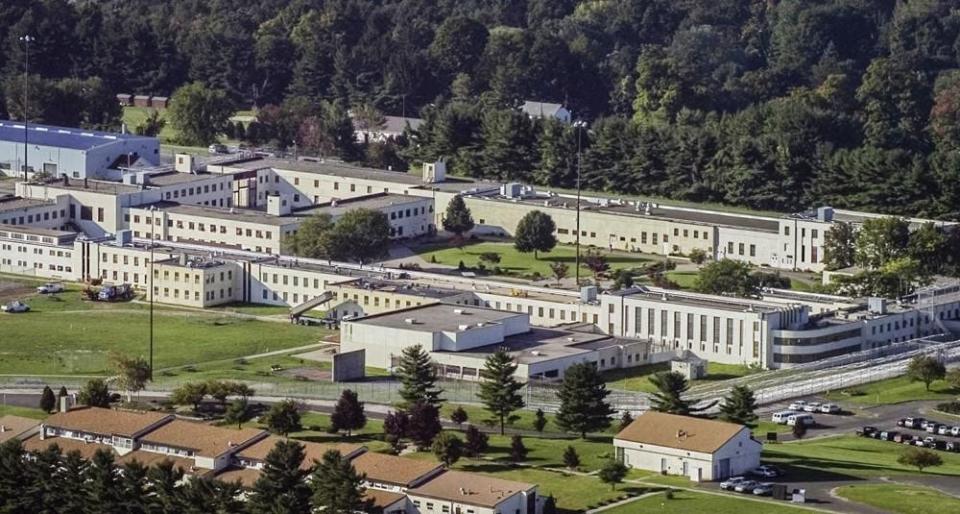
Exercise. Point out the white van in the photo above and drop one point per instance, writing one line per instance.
(780, 418)
(800, 419)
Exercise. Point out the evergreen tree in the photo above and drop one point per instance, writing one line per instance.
(457, 220)
(418, 377)
(740, 406)
(570, 458)
(476, 442)
(539, 420)
(336, 486)
(625, 419)
(499, 388)
(281, 486)
(71, 473)
(535, 233)
(518, 452)
(283, 418)
(62, 392)
(162, 480)
(424, 424)
(12, 469)
(669, 395)
(102, 486)
(94, 394)
(583, 406)
(459, 416)
(48, 401)
(348, 413)
(447, 448)
(133, 487)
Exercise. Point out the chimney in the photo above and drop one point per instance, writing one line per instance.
(65, 402)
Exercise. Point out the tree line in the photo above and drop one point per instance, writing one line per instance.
(773, 105)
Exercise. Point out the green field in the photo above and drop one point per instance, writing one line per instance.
(25, 412)
(894, 390)
(514, 262)
(65, 335)
(638, 378)
(901, 499)
(843, 457)
(133, 116)
(687, 502)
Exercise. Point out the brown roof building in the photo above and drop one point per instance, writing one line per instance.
(210, 446)
(394, 471)
(87, 450)
(17, 427)
(460, 488)
(701, 449)
(385, 501)
(98, 423)
(255, 454)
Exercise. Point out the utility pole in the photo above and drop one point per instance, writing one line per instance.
(153, 211)
(26, 40)
(579, 126)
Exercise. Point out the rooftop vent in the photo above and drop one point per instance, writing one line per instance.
(535, 353)
(463, 327)
(410, 321)
(479, 324)
(459, 311)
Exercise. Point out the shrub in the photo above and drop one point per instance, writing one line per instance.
(952, 407)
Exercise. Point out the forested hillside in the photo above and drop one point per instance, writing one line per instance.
(777, 104)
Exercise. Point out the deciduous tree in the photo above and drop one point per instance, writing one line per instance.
(926, 369)
(535, 233)
(283, 418)
(199, 113)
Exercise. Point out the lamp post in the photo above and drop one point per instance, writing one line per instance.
(26, 40)
(153, 211)
(579, 126)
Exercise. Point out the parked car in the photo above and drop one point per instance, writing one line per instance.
(903, 438)
(955, 431)
(944, 430)
(914, 422)
(217, 148)
(50, 288)
(730, 483)
(801, 419)
(15, 307)
(812, 407)
(780, 418)
(889, 435)
(952, 446)
(932, 427)
(868, 431)
(746, 486)
(766, 471)
(924, 423)
(763, 489)
(797, 405)
(901, 422)
(830, 408)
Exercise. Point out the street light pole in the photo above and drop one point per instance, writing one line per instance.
(26, 40)
(153, 211)
(579, 126)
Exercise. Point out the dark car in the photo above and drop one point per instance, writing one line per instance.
(868, 431)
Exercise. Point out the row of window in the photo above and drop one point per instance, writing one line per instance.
(30, 218)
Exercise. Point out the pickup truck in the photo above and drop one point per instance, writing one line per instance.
(15, 307)
(50, 288)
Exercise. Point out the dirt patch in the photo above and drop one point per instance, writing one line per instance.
(10, 291)
(311, 374)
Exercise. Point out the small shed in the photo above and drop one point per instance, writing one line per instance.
(141, 101)
(125, 99)
(692, 368)
(159, 102)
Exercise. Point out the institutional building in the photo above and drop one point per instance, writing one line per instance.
(697, 448)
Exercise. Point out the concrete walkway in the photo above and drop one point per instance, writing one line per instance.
(623, 502)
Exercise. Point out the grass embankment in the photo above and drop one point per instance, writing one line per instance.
(901, 499)
(894, 390)
(686, 502)
(638, 378)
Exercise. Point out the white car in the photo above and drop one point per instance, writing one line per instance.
(812, 407)
(944, 430)
(50, 288)
(829, 408)
(797, 405)
(730, 483)
(15, 307)
(955, 431)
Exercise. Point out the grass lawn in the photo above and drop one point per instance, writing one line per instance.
(134, 116)
(684, 279)
(894, 390)
(25, 412)
(241, 369)
(69, 336)
(842, 457)
(254, 309)
(315, 430)
(638, 378)
(686, 502)
(901, 499)
(514, 262)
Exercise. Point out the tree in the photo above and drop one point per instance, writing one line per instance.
(623, 279)
(132, 372)
(559, 270)
(535, 233)
(613, 472)
(953, 378)
(669, 395)
(881, 240)
(726, 276)
(740, 406)
(459, 416)
(539, 421)
(62, 392)
(491, 258)
(698, 256)
(337, 488)
(48, 402)
(583, 406)
(926, 369)
(101, 485)
(625, 419)
(447, 448)
(348, 413)
(424, 424)
(596, 262)
(282, 486)
(518, 452)
(919, 458)
(418, 377)
(199, 113)
(396, 424)
(189, 393)
(458, 44)
(219, 390)
(312, 239)
(458, 220)
(94, 394)
(839, 246)
(499, 388)
(476, 442)
(570, 458)
(152, 125)
(283, 418)
(549, 505)
(360, 235)
(237, 412)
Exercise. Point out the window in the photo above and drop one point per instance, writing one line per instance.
(753, 250)
(786, 230)
(740, 249)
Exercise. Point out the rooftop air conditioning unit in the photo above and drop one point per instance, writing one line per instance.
(410, 321)
(463, 327)
(458, 311)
